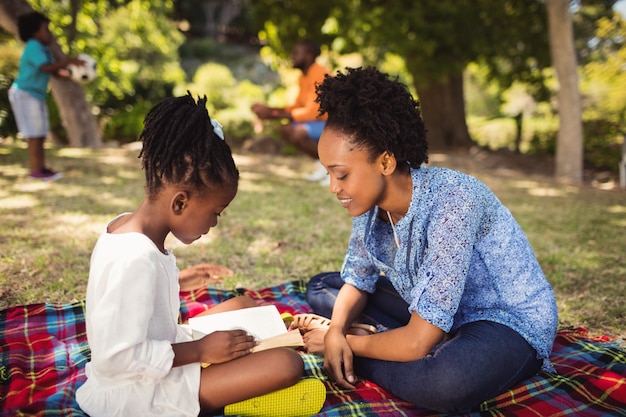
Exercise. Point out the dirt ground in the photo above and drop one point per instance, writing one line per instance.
(475, 160)
(505, 162)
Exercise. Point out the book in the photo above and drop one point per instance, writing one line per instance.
(263, 322)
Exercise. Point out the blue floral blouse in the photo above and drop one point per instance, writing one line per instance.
(462, 257)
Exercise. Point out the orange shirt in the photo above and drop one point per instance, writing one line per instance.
(305, 108)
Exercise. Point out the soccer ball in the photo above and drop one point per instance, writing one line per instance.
(83, 73)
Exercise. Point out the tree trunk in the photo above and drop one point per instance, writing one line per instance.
(75, 111)
(443, 110)
(569, 145)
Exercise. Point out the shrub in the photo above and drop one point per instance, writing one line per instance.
(125, 125)
(216, 81)
(9, 62)
(602, 144)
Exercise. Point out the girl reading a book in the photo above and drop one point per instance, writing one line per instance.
(435, 261)
(142, 361)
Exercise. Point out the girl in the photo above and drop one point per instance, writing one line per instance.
(29, 91)
(435, 261)
(142, 362)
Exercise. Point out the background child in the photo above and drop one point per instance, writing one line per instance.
(29, 91)
(442, 268)
(142, 361)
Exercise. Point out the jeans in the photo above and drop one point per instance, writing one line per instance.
(478, 361)
(313, 128)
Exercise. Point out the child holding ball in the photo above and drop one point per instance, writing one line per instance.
(29, 91)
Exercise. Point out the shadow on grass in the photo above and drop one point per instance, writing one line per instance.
(280, 227)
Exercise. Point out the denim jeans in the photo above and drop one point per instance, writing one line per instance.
(478, 361)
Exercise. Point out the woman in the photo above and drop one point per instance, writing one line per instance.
(435, 261)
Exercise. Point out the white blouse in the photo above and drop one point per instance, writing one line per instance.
(132, 312)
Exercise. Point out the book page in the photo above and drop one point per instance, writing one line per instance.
(261, 322)
(292, 339)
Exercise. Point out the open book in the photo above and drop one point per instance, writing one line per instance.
(264, 323)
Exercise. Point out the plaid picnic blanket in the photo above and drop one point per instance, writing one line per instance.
(43, 352)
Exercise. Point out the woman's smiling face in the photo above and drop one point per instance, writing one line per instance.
(357, 181)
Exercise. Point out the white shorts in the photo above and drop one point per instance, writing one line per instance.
(31, 114)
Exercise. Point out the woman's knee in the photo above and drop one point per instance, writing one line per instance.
(448, 397)
(314, 283)
(321, 292)
(325, 280)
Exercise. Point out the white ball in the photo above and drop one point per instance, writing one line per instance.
(83, 73)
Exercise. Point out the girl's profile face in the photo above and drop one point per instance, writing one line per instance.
(201, 213)
(355, 179)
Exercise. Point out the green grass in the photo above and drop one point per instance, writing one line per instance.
(280, 227)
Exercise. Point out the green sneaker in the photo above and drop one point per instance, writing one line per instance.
(303, 399)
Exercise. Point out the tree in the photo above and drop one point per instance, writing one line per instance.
(210, 18)
(436, 38)
(569, 148)
(605, 75)
(75, 111)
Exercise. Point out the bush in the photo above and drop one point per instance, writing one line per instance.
(125, 125)
(217, 82)
(9, 62)
(493, 134)
(228, 101)
(602, 140)
(601, 143)
(236, 128)
(543, 142)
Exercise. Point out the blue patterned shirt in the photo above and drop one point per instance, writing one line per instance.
(462, 257)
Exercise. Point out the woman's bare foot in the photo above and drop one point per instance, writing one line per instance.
(313, 336)
(308, 322)
(314, 341)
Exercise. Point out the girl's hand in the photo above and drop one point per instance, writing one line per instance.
(201, 275)
(224, 346)
(338, 358)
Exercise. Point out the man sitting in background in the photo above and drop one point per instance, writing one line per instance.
(305, 127)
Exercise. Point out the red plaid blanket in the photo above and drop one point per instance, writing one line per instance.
(44, 351)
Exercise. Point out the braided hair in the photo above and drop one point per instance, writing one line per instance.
(180, 146)
(377, 112)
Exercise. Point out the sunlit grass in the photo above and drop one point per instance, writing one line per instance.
(280, 227)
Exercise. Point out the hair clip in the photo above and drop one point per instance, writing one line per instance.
(217, 128)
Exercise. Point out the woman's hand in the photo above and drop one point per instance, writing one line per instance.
(224, 346)
(338, 358)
